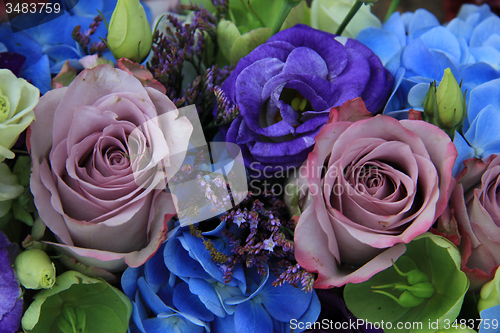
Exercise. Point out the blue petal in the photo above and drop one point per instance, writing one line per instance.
(223, 325)
(198, 252)
(488, 54)
(460, 29)
(422, 19)
(39, 74)
(241, 299)
(384, 44)
(251, 317)
(185, 301)
(419, 61)
(476, 74)
(484, 30)
(21, 43)
(484, 129)
(482, 96)
(151, 299)
(205, 291)
(312, 312)
(129, 280)
(155, 270)
(139, 312)
(417, 94)
(88, 7)
(396, 25)
(442, 39)
(171, 324)
(180, 263)
(488, 316)
(273, 299)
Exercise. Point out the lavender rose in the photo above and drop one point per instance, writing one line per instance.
(474, 216)
(284, 90)
(373, 184)
(106, 207)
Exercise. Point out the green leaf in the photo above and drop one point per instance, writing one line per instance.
(21, 214)
(22, 169)
(106, 309)
(247, 42)
(26, 201)
(439, 259)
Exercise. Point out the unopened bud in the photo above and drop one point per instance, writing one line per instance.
(129, 34)
(35, 270)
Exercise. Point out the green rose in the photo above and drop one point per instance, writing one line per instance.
(17, 101)
(35, 270)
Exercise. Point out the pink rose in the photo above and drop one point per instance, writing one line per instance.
(106, 209)
(474, 216)
(374, 185)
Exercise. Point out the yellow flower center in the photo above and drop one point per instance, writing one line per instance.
(4, 108)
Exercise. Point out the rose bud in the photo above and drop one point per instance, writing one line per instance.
(129, 33)
(35, 270)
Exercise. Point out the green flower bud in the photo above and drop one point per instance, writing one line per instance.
(490, 293)
(414, 276)
(430, 103)
(129, 33)
(450, 100)
(406, 300)
(422, 289)
(35, 270)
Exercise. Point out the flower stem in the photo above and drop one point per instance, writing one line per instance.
(392, 8)
(285, 10)
(348, 18)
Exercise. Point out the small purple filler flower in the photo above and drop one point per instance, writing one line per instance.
(285, 88)
(11, 303)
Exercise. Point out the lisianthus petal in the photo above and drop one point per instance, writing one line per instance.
(314, 65)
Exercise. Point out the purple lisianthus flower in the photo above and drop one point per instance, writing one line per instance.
(285, 88)
(11, 303)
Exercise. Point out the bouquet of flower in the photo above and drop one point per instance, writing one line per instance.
(248, 166)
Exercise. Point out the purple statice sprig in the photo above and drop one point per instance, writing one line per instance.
(226, 111)
(212, 188)
(83, 38)
(268, 240)
(195, 44)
